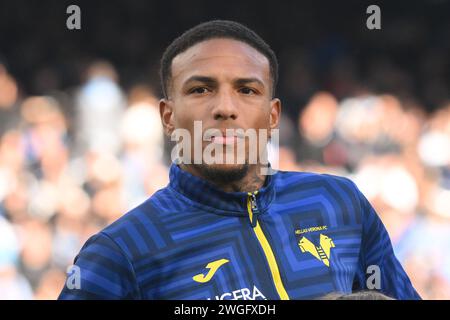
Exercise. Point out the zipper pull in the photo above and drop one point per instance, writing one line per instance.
(254, 204)
(252, 208)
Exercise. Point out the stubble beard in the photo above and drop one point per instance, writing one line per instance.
(221, 175)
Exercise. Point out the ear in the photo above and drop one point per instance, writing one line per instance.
(275, 113)
(167, 116)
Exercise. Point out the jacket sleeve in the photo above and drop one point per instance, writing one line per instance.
(378, 267)
(100, 271)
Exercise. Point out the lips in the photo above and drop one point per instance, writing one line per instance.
(224, 140)
(221, 137)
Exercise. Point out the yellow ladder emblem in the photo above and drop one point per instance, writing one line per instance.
(321, 252)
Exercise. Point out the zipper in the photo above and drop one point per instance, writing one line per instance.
(252, 208)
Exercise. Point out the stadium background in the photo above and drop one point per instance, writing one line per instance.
(81, 140)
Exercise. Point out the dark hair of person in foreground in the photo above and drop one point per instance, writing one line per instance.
(360, 295)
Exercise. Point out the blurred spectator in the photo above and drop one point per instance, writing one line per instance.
(100, 105)
(49, 285)
(8, 97)
(143, 147)
(13, 285)
(36, 240)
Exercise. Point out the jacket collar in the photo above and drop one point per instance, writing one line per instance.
(211, 198)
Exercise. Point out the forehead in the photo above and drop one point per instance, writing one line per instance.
(217, 57)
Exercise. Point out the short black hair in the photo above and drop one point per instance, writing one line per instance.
(359, 295)
(210, 30)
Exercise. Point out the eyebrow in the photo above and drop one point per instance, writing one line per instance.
(242, 81)
(204, 79)
(213, 81)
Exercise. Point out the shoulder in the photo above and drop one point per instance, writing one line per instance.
(334, 192)
(308, 180)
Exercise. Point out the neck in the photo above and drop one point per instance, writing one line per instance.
(252, 181)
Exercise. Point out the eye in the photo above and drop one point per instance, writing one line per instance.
(247, 91)
(199, 90)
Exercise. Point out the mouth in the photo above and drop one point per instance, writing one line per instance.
(223, 138)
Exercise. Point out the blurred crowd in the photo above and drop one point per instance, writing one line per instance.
(74, 161)
(63, 177)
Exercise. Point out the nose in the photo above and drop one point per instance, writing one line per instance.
(225, 106)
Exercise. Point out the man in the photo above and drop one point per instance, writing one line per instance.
(228, 230)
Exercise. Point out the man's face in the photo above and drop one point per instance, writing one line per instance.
(225, 84)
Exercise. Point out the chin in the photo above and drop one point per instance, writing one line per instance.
(226, 167)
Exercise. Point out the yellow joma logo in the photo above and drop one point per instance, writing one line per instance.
(212, 266)
(321, 252)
